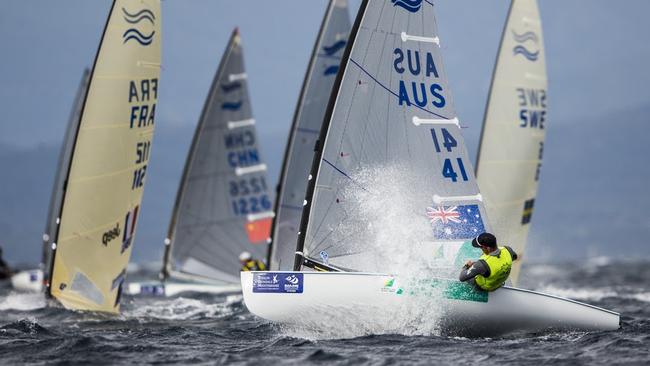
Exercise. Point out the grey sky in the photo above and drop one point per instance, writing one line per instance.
(597, 54)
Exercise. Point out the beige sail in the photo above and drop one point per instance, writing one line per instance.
(512, 141)
(109, 161)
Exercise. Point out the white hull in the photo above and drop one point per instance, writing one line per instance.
(380, 303)
(170, 289)
(28, 281)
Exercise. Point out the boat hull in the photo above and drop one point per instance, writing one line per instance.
(28, 281)
(170, 289)
(381, 303)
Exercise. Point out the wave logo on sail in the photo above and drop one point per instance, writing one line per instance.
(137, 19)
(410, 5)
(520, 48)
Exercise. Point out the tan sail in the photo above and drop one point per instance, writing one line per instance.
(512, 141)
(109, 161)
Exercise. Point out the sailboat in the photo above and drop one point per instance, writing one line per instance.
(512, 140)
(33, 279)
(312, 103)
(223, 206)
(392, 203)
(106, 174)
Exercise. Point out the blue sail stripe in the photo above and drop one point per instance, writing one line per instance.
(136, 21)
(227, 88)
(134, 34)
(331, 70)
(392, 92)
(233, 106)
(330, 50)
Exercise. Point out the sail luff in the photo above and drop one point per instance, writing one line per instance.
(169, 239)
(56, 196)
(308, 115)
(318, 149)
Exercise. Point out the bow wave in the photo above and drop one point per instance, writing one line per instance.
(521, 50)
(521, 38)
(139, 16)
(135, 34)
(410, 5)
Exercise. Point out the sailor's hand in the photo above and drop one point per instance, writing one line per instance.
(468, 264)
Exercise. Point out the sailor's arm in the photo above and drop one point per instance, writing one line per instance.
(513, 254)
(476, 268)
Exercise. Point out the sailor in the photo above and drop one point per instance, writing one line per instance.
(5, 270)
(250, 264)
(493, 268)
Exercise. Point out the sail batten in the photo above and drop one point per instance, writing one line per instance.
(223, 206)
(105, 179)
(510, 150)
(314, 95)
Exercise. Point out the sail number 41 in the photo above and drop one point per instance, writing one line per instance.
(448, 144)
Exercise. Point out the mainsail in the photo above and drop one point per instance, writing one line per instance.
(512, 141)
(307, 120)
(391, 180)
(108, 164)
(223, 206)
(56, 198)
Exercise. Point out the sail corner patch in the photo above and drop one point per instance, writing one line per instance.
(278, 282)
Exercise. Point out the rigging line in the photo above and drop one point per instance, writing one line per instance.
(345, 175)
(392, 92)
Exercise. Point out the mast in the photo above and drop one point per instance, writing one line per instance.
(56, 197)
(391, 166)
(223, 206)
(508, 169)
(308, 115)
(107, 167)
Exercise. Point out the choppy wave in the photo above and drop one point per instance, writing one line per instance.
(182, 308)
(22, 301)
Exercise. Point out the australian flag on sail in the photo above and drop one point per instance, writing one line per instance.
(455, 222)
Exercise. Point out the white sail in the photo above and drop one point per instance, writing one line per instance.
(108, 165)
(307, 121)
(223, 205)
(512, 141)
(392, 178)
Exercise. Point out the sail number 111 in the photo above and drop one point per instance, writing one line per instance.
(449, 143)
